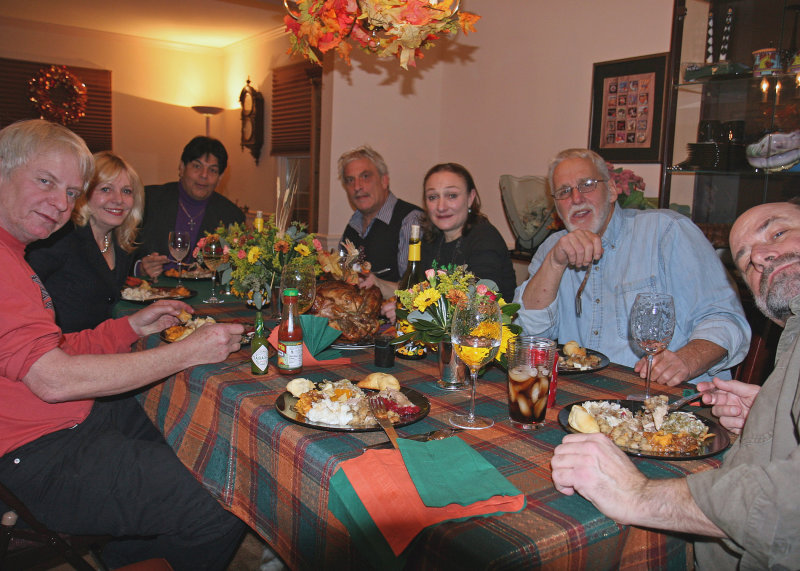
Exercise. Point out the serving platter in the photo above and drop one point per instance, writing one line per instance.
(285, 407)
(711, 446)
(352, 346)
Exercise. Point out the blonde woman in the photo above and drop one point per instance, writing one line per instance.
(84, 265)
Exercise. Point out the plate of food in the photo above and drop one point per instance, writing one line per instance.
(146, 293)
(572, 358)
(647, 429)
(191, 323)
(189, 274)
(342, 405)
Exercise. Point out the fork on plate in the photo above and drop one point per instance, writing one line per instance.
(378, 409)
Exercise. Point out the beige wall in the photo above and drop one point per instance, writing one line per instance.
(502, 100)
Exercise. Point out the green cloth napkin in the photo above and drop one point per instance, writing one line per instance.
(344, 503)
(449, 471)
(318, 336)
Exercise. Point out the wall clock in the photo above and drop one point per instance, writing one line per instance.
(252, 103)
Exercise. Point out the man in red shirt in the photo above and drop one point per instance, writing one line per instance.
(84, 466)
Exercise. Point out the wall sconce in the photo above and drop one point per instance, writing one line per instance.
(208, 112)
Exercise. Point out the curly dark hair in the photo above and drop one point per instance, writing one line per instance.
(430, 232)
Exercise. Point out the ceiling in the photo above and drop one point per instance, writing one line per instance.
(211, 23)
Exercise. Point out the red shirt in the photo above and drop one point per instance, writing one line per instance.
(27, 331)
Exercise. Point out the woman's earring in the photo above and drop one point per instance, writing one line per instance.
(469, 210)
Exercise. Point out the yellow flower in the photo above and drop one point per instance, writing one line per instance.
(507, 335)
(302, 249)
(253, 254)
(487, 329)
(426, 298)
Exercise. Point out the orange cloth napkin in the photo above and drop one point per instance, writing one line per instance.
(308, 358)
(384, 486)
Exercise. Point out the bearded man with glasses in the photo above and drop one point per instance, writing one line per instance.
(584, 280)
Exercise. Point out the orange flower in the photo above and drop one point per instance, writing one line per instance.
(456, 296)
(282, 246)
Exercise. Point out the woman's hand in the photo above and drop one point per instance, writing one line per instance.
(153, 264)
(388, 309)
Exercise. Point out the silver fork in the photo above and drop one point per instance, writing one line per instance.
(378, 410)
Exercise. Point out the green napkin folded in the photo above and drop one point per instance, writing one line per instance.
(318, 336)
(449, 471)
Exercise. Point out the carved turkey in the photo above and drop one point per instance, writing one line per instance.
(350, 309)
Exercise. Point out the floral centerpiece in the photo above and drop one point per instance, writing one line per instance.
(386, 28)
(429, 305)
(253, 260)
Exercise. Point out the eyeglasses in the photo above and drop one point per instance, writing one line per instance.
(583, 186)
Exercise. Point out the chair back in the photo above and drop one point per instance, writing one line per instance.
(529, 208)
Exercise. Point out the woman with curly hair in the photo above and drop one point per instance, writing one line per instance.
(455, 231)
(84, 265)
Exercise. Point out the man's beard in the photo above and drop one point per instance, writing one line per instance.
(773, 299)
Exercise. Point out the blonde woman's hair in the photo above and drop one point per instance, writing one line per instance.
(107, 167)
(23, 139)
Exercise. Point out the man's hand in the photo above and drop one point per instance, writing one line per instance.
(691, 360)
(213, 342)
(668, 369)
(730, 401)
(593, 466)
(157, 316)
(388, 310)
(577, 249)
(387, 288)
(153, 264)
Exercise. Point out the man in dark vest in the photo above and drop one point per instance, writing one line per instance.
(381, 224)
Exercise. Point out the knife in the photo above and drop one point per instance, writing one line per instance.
(445, 432)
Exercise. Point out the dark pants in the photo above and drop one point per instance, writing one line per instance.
(115, 475)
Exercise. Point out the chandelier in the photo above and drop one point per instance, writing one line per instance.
(386, 28)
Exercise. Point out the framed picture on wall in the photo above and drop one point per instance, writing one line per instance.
(628, 109)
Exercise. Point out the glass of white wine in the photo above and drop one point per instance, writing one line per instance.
(476, 332)
(301, 276)
(212, 258)
(179, 248)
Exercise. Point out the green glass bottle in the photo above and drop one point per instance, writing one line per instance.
(259, 352)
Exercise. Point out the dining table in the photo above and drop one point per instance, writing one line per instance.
(274, 474)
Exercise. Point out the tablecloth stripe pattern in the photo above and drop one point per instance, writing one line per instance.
(274, 474)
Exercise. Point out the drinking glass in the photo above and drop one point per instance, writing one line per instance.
(212, 258)
(652, 326)
(303, 278)
(477, 330)
(531, 361)
(179, 248)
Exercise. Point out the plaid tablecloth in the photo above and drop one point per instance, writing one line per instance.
(274, 474)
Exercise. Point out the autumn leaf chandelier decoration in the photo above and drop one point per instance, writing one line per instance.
(387, 28)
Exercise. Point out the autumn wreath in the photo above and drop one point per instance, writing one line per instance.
(58, 95)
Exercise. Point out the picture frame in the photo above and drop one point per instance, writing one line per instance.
(627, 109)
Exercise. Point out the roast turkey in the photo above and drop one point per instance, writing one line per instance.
(350, 309)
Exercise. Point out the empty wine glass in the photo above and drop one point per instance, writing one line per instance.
(212, 258)
(476, 331)
(652, 326)
(301, 276)
(179, 248)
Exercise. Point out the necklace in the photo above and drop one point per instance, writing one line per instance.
(106, 244)
(191, 218)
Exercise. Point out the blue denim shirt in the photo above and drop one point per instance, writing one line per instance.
(644, 251)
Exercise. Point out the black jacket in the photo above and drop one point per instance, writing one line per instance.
(75, 274)
(161, 211)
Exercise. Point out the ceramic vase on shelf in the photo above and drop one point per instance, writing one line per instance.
(453, 373)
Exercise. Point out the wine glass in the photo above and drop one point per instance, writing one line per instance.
(179, 248)
(476, 331)
(212, 258)
(303, 278)
(652, 326)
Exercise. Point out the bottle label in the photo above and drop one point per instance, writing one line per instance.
(290, 354)
(414, 251)
(260, 358)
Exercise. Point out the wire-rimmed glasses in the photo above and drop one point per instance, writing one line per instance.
(584, 186)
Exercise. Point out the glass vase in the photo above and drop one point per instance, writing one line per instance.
(453, 372)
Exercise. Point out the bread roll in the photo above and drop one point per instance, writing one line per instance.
(582, 421)
(379, 382)
(299, 386)
(573, 349)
